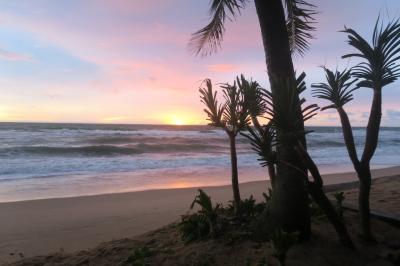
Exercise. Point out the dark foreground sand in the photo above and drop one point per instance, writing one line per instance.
(38, 227)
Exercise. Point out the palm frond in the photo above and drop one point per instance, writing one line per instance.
(253, 96)
(208, 39)
(285, 117)
(300, 24)
(262, 143)
(380, 66)
(337, 89)
(235, 114)
(213, 109)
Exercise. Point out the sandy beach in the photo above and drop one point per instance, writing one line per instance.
(38, 227)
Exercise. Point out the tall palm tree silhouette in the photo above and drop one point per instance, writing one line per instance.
(286, 27)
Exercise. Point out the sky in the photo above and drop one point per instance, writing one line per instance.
(127, 61)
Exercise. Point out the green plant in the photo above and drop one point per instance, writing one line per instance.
(339, 196)
(281, 242)
(248, 207)
(203, 223)
(193, 227)
(140, 257)
(232, 117)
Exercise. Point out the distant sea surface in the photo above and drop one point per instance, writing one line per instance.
(42, 160)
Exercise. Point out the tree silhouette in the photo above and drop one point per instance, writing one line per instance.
(379, 67)
(286, 27)
(232, 117)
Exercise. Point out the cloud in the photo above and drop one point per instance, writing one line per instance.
(393, 114)
(221, 68)
(12, 56)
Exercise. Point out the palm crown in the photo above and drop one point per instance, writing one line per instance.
(299, 22)
(337, 90)
(379, 67)
(232, 115)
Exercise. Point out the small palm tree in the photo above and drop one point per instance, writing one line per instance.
(232, 116)
(379, 67)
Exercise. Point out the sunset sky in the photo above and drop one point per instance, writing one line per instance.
(126, 61)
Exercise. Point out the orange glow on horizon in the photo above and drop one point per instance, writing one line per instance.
(183, 118)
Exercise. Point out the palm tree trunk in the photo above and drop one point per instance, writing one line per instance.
(317, 193)
(371, 142)
(234, 169)
(289, 206)
(363, 167)
(363, 202)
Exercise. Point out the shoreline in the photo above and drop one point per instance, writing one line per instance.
(76, 223)
(250, 174)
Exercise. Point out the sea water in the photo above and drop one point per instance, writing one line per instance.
(42, 160)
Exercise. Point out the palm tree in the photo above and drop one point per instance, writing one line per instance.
(265, 137)
(378, 68)
(286, 27)
(232, 116)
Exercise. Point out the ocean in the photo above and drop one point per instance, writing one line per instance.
(46, 160)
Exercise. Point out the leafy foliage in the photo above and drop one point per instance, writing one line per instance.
(379, 67)
(339, 196)
(202, 224)
(235, 114)
(194, 227)
(253, 96)
(232, 115)
(337, 90)
(300, 24)
(262, 142)
(208, 39)
(214, 110)
(283, 117)
(140, 257)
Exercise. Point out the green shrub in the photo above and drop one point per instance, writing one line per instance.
(140, 257)
(205, 223)
(339, 196)
(194, 227)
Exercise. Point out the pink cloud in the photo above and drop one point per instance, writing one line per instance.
(12, 56)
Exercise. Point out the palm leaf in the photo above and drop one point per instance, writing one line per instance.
(253, 96)
(285, 113)
(213, 109)
(300, 24)
(208, 39)
(337, 89)
(262, 142)
(235, 114)
(380, 58)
